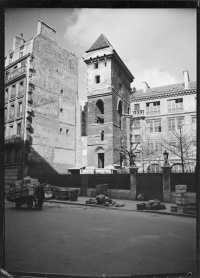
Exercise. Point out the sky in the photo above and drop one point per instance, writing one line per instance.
(156, 45)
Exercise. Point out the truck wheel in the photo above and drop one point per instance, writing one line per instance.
(18, 205)
(29, 203)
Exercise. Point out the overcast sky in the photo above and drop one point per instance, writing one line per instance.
(157, 45)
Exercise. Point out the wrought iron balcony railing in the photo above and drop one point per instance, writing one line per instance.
(15, 73)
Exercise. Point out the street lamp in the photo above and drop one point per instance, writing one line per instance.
(132, 162)
(165, 155)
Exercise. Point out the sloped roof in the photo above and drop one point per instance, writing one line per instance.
(163, 89)
(100, 43)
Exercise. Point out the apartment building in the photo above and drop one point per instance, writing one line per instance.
(41, 88)
(159, 114)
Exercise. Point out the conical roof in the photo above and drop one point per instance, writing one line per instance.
(100, 43)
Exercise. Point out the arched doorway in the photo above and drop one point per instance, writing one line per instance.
(100, 157)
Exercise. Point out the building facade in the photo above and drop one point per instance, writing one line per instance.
(108, 84)
(41, 89)
(162, 118)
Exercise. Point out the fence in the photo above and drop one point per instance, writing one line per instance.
(114, 181)
(183, 178)
(63, 180)
(151, 184)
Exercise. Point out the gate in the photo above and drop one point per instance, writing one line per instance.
(151, 184)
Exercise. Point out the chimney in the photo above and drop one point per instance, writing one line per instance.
(186, 79)
(17, 41)
(46, 30)
(145, 86)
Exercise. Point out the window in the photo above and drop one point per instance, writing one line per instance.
(61, 110)
(102, 136)
(67, 131)
(12, 111)
(21, 53)
(175, 105)
(96, 65)
(60, 130)
(5, 113)
(13, 91)
(157, 125)
(120, 87)
(136, 124)
(61, 91)
(21, 86)
(19, 128)
(100, 160)
(158, 147)
(99, 112)
(11, 130)
(150, 126)
(137, 107)
(11, 57)
(137, 138)
(97, 79)
(180, 123)
(153, 107)
(171, 124)
(194, 123)
(150, 147)
(6, 94)
(119, 110)
(19, 112)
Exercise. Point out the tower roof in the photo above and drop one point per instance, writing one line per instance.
(100, 43)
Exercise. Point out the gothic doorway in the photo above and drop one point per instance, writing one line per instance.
(100, 160)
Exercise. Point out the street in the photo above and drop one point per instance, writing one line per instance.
(78, 240)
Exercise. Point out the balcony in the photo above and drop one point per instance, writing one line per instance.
(12, 96)
(138, 112)
(21, 93)
(13, 139)
(15, 74)
(173, 110)
(19, 114)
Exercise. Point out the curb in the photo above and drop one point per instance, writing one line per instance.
(118, 208)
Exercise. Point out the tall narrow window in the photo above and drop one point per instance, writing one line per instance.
(120, 87)
(21, 87)
(11, 130)
(13, 91)
(150, 126)
(157, 125)
(119, 110)
(5, 113)
(96, 65)
(171, 124)
(12, 111)
(100, 160)
(102, 136)
(180, 123)
(97, 79)
(19, 112)
(6, 94)
(19, 128)
(99, 112)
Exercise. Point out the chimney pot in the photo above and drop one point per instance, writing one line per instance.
(186, 79)
(145, 86)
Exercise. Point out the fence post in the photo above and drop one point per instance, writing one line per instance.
(166, 183)
(133, 181)
(84, 185)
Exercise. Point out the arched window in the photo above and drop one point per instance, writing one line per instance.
(102, 135)
(119, 110)
(99, 112)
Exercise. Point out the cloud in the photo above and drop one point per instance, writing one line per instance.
(155, 78)
(155, 44)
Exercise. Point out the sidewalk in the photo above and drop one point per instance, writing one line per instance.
(129, 206)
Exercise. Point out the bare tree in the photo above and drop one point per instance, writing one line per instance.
(179, 142)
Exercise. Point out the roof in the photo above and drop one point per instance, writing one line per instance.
(100, 43)
(163, 89)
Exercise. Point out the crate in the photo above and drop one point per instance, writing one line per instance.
(173, 209)
(140, 206)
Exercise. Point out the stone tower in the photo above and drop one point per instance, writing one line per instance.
(108, 89)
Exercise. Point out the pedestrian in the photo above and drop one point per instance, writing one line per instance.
(39, 192)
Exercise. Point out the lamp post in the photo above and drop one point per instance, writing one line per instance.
(132, 159)
(165, 155)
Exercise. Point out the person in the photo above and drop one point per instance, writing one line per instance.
(39, 192)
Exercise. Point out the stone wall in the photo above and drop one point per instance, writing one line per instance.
(54, 105)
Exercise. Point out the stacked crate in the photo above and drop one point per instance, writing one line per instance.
(181, 197)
